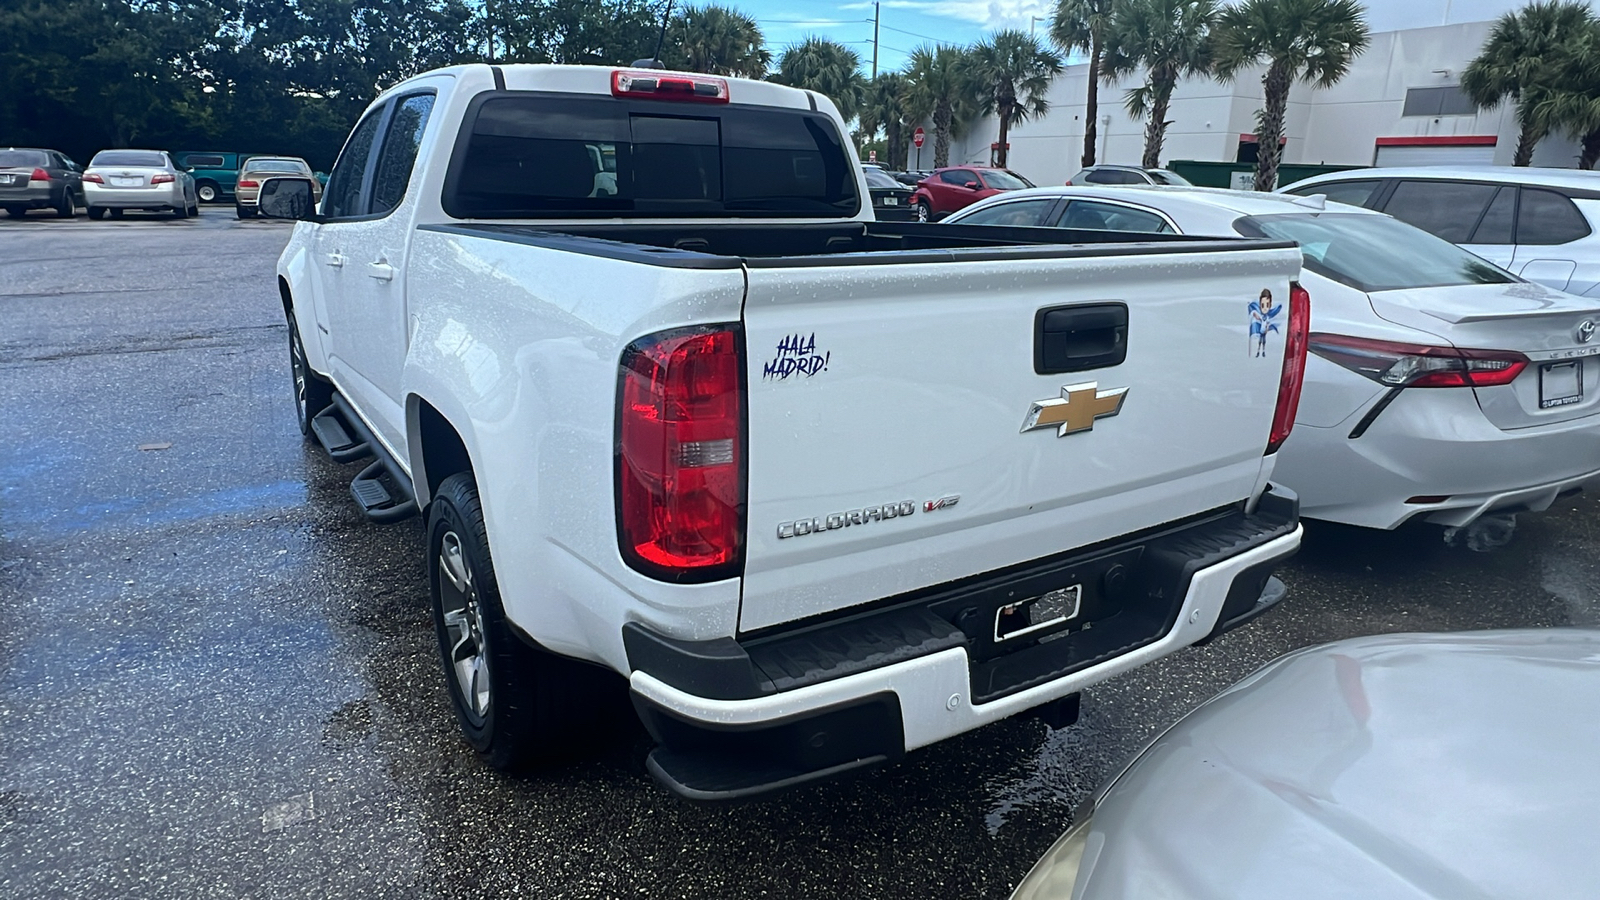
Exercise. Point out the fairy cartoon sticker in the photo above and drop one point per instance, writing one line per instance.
(1263, 313)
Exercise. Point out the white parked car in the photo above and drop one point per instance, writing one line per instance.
(1437, 385)
(1542, 224)
(119, 180)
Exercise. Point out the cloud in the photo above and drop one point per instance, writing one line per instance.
(990, 14)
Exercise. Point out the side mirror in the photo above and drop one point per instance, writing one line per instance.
(286, 198)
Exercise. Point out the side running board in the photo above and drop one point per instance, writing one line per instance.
(382, 490)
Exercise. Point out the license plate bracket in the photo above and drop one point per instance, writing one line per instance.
(1560, 384)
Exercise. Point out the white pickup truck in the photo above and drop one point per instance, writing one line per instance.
(822, 489)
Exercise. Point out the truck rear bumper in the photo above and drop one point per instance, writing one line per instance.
(912, 683)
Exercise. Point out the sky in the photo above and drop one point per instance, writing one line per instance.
(906, 24)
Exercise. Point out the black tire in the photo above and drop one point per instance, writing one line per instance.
(180, 212)
(245, 212)
(16, 212)
(207, 192)
(312, 392)
(65, 209)
(924, 211)
(97, 213)
(530, 707)
(116, 213)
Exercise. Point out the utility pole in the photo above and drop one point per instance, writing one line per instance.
(876, 12)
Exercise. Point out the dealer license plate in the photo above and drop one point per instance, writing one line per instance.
(1560, 384)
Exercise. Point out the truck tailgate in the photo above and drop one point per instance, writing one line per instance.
(887, 405)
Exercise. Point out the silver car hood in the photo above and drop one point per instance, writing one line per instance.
(1403, 766)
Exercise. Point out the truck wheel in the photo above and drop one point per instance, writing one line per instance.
(518, 705)
(207, 192)
(924, 214)
(312, 394)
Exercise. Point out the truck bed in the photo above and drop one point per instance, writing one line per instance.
(722, 246)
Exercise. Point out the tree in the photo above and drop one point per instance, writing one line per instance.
(1311, 40)
(1081, 25)
(1572, 103)
(1522, 60)
(941, 91)
(886, 106)
(1169, 39)
(827, 67)
(1011, 74)
(611, 32)
(717, 40)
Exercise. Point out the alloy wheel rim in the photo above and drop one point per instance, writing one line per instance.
(297, 364)
(463, 621)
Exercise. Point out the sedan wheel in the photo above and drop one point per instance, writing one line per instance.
(66, 210)
(924, 214)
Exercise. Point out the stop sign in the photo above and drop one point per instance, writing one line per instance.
(918, 137)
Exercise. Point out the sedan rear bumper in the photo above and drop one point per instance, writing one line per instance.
(1435, 446)
(36, 195)
(167, 196)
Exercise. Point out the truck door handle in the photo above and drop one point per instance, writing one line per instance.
(336, 260)
(381, 271)
(1079, 338)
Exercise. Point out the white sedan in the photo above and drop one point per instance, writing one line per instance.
(119, 180)
(1437, 385)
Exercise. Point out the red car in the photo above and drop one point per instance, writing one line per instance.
(958, 187)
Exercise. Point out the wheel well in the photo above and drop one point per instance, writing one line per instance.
(288, 299)
(443, 453)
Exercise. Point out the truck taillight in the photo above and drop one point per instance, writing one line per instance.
(39, 175)
(681, 454)
(662, 86)
(1294, 367)
(1402, 365)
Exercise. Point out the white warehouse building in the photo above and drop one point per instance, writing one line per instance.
(1400, 104)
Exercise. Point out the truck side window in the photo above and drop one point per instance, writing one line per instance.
(344, 196)
(400, 152)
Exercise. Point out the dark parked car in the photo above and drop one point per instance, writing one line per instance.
(891, 200)
(958, 187)
(39, 179)
(912, 177)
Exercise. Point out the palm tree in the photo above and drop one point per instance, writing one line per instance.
(827, 67)
(1081, 25)
(1169, 39)
(1572, 104)
(1314, 40)
(1522, 59)
(885, 106)
(940, 91)
(1012, 73)
(716, 40)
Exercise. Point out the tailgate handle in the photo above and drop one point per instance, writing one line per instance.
(1078, 338)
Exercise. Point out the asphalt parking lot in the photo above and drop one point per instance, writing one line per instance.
(216, 680)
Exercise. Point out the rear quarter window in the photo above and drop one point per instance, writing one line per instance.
(532, 155)
(1547, 217)
(1446, 209)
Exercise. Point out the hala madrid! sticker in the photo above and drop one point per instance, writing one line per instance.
(1263, 316)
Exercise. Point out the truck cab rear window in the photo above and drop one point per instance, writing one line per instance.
(529, 155)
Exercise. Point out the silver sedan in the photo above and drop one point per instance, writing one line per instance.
(119, 180)
(1400, 767)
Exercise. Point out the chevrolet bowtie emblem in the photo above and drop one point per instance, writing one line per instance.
(1076, 409)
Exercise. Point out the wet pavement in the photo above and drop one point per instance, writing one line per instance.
(216, 680)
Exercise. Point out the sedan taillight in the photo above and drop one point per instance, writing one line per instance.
(680, 454)
(161, 179)
(249, 184)
(1402, 365)
(39, 175)
(93, 178)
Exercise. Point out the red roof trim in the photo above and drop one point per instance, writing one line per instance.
(1456, 140)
